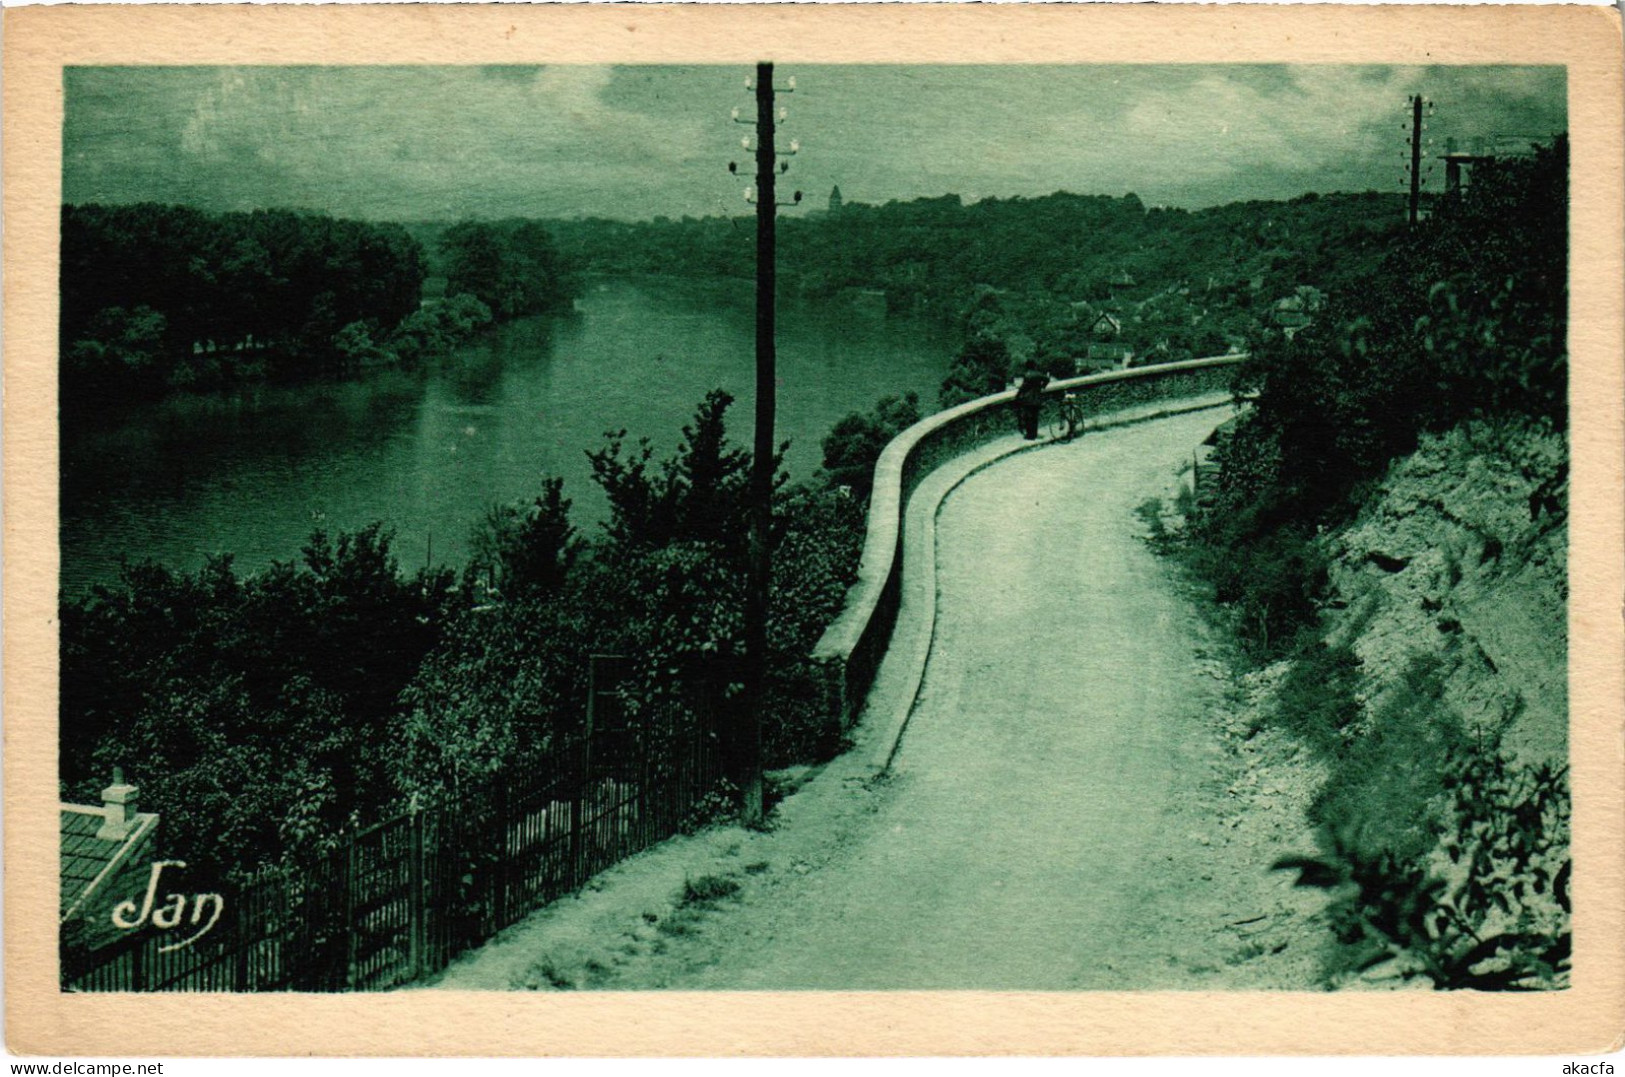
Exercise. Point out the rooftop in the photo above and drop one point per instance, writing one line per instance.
(87, 859)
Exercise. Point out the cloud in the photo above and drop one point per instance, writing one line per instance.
(641, 141)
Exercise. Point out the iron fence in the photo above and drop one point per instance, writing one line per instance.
(400, 899)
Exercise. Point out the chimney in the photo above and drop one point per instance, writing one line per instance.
(118, 808)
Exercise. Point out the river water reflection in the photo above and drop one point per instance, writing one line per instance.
(251, 472)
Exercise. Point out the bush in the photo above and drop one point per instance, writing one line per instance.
(353, 345)
(121, 352)
(1387, 781)
(982, 367)
(521, 549)
(708, 889)
(437, 329)
(1489, 909)
(507, 680)
(1318, 701)
(855, 443)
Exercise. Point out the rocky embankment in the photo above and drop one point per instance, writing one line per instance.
(1460, 556)
(1446, 604)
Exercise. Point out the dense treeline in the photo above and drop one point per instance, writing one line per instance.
(261, 715)
(511, 266)
(1035, 274)
(156, 297)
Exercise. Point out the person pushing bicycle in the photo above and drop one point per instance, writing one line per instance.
(1030, 398)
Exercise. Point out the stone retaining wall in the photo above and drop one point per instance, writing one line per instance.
(850, 650)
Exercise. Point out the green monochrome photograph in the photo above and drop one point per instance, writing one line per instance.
(786, 526)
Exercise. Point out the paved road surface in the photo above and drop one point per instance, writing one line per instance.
(1043, 770)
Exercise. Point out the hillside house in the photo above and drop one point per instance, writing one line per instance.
(1106, 327)
(1296, 311)
(1121, 282)
(1112, 354)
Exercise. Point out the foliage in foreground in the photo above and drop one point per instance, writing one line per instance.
(263, 714)
(1489, 910)
(1444, 857)
(255, 713)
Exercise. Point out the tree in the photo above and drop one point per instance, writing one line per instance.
(513, 268)
(475, 265)
(526, 550)
(247, 708)
(698, 495)
(982, 367)
(855, 443)
(156, 296)
(121, 352)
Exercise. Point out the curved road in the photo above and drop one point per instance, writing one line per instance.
(1056, 818)
(1053, 752)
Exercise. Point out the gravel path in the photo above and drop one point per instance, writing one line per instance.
(1053, 818)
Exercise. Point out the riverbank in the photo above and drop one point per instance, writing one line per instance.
(428, 450)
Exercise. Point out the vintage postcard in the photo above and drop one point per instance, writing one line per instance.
(813, 530)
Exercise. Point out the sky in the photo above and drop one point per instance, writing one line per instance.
(634, 142)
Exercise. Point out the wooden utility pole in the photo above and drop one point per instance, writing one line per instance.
(746, 738)
(1416, 158)
(761, 467)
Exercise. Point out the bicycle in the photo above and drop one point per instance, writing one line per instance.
(1068, 422)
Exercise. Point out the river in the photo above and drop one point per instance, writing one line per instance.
(252, 471)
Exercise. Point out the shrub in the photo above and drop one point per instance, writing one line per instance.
(522, 549)
(982, 367)
(708, 889)
(121, 352)
(437, 329)
(1489, 909)
(1272, 584)
(855, 443)
(1317, 701)
(1386, 783)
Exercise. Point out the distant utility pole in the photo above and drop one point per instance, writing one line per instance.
(748, 742)
(1417, 102)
